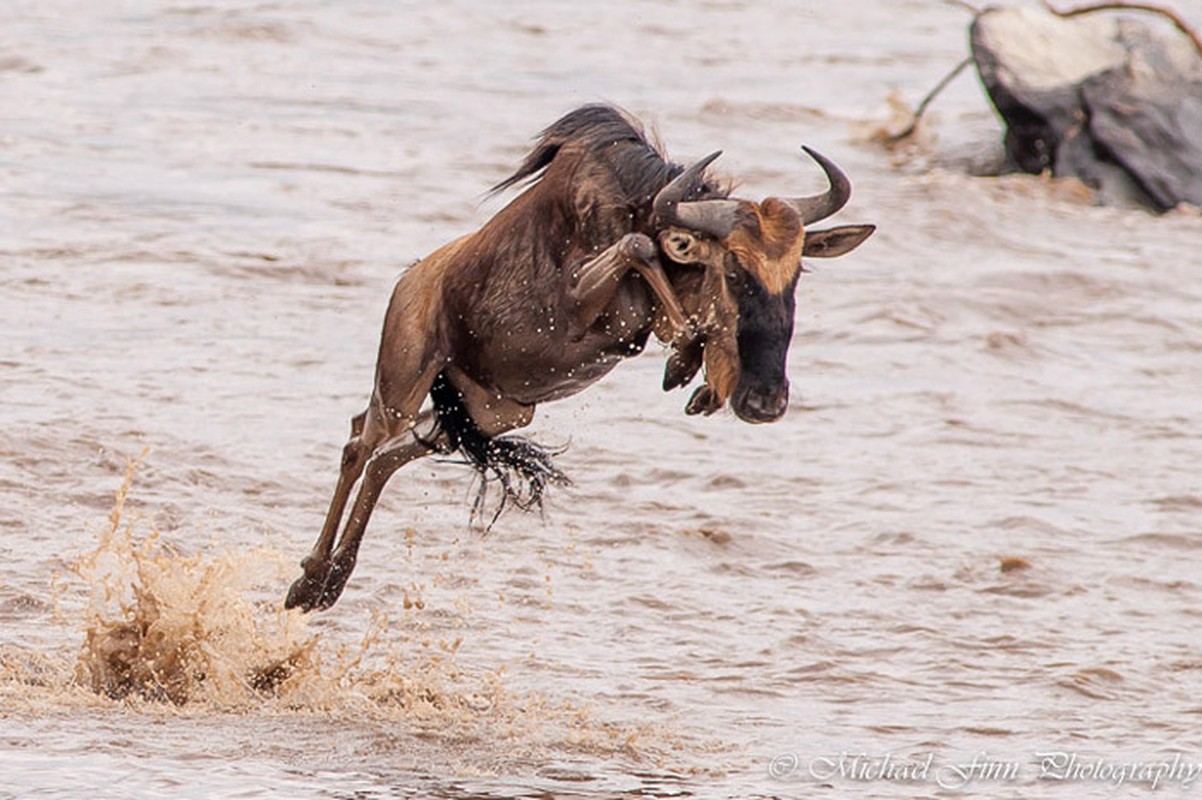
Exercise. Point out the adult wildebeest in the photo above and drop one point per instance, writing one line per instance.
(558, 287)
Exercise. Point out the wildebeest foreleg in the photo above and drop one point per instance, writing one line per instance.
(595, 282)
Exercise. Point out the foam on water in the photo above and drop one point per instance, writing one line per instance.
(166, 632)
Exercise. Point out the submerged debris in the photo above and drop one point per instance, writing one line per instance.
(1013, 564)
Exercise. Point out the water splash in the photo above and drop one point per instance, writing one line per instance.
(160, 625)
(169, 632)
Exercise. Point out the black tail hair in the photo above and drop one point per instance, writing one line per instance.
(521, 467)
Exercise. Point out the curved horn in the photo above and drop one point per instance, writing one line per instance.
(715, 217)
(821, 206)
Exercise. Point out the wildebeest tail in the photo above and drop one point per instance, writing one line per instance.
(522, 468)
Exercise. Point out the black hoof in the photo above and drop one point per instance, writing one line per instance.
(320, 588)
(704, 401)
(305, 593)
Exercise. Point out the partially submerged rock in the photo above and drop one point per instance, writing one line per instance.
(1104, 99)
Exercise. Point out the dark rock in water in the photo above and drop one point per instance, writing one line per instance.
(1150, 125)
(1032, 63)
(1107, 100)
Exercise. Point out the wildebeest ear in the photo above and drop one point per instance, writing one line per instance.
(836, 241)
(681, 246)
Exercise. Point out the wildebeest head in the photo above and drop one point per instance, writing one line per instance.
(751, 254)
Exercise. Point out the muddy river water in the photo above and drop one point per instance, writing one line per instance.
(966, 563)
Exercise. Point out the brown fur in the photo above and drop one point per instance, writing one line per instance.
(719, 319)
(547, 297)
(769, 243)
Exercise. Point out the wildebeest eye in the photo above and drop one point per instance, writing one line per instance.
(733, 270)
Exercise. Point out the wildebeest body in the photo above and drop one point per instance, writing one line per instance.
(600, 178)
(553, 291)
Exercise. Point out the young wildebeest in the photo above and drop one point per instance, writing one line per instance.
(610, 243)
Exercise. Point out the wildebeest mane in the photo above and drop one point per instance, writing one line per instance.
(591, 129)
(613, 163)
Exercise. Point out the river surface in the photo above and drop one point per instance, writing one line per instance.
(968, 562)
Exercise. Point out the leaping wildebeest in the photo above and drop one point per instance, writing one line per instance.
(610, 243)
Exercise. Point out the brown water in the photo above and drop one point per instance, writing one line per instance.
(975, 537)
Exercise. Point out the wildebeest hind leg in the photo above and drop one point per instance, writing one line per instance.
(327, 569)
(390, 457)
(316, 564)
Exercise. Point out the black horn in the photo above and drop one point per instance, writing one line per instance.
(715, 217)
(821, 206)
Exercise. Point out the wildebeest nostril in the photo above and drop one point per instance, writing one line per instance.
(762, 405)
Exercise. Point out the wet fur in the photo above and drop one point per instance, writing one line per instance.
(544, 299)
